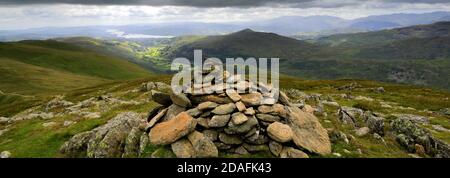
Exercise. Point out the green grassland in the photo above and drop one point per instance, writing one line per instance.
(31, 67)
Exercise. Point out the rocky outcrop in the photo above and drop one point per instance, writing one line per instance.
(119, 137)
(411, 136)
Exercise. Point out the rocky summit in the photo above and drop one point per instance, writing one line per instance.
(202, 125)
(249, 123)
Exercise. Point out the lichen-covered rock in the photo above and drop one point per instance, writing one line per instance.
(109, 140)
(409, 134)
(132, 143)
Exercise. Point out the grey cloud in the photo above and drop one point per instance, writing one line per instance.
(217, 3)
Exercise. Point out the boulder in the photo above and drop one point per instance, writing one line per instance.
(280, 132)
(117, 138)
(170, 131)
(376, 124)
(308, 133)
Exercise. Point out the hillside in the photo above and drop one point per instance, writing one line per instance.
(247, 43)
(49, 66)
(439, 29)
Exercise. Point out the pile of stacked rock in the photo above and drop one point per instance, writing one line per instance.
(241, 121)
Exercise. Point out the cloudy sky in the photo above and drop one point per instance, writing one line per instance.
(41, 13)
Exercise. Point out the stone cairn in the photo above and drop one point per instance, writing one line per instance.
(239, 123)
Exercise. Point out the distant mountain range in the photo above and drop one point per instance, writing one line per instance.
(288, 26)
(417, 55)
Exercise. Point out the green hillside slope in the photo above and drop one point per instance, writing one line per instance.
(48, 66)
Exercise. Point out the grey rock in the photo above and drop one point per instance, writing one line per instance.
(412, 118)
(280, 132)
(240, 106)
(238, 118)
(376, 124)
(224, 109)
(161, 98)
(241, 151)
(255, 148)
(251, 99)
(180, 99)
(362, 131)
(132, 143)
(230, 139)
(108, 140)
(275, 148)
(242, 128)
(5, 154)
(308, 133)
(183, 149)
(222, 146)
(211, 134)
(249, 111)
(207, 105)
(203, 147)
(233, 96)
(219, 120)
(204, 122)
(172, 111)
(155, 119)
(194, 112)
(268, 117)
(289, 152)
